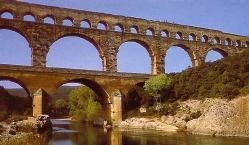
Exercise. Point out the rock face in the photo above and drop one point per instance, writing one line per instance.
(145, 123)
(222, 117)
(219, 117)
(43, 124)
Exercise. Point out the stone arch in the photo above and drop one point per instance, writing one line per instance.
(247, 44)
(191, 53)
(216, 40)
(165, 33)
(29, 14)
(49, 17)
(204, 38)
(87, 22)
(12, 13)
(150, 32)
(19, 82)
(179, 35)
(238, 43)
(68, 21)
(134, 29)
(118, 27)
(102, 25)
(192, 37)
(146, 46)
(96, 87)
(17, 30)
(219, 50)
(89, 39)
(228, 41)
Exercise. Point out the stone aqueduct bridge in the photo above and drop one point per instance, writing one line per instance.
(160, 37)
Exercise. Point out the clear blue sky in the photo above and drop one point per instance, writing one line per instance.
(225, 15)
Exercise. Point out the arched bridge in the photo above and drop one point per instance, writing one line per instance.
(157, 37)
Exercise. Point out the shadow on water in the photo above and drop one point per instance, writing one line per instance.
(71, 133)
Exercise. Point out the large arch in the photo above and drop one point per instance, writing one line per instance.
(87, 46)
(214, 54)
(136, 50)
(179, 57)
(19, 82)
(15, 47)
(97, 88)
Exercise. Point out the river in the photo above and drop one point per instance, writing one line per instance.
(66, 132)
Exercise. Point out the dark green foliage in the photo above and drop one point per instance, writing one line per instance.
(226, 78)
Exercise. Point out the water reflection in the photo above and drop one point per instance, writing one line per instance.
(72, 133)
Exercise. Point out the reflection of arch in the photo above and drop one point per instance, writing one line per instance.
(14, 80)
(220, 51)
(98, 89)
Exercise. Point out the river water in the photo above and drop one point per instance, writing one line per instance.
(66, 132)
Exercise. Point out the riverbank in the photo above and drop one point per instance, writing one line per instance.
(216, 117)
(26, 132)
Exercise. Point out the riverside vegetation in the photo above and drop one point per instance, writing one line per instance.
(210, 99)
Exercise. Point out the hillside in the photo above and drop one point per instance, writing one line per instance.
(225, 78)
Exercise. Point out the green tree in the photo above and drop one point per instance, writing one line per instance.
(83, 104)
(61, 103)
(156, 84)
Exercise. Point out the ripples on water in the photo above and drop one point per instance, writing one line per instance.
(72, 133)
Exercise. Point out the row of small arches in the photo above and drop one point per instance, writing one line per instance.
(133, 29)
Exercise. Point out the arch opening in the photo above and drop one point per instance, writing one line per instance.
(228, 41)
(238, 43)
(14, 48)
(15, 99)
(135, 57)
(49, 20)
(247, 44)
(216, 40)
(204, 38)
(76, 94)
(102, 26)
(215, 54)
(178, 58)
(85, 24)
(134, 30)
(119, 28)
(67, 22)
(150, 32)
(178, 35)
(76, 52)
(7, 15)
(192, 37)
(165, 33)
(29, 17)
